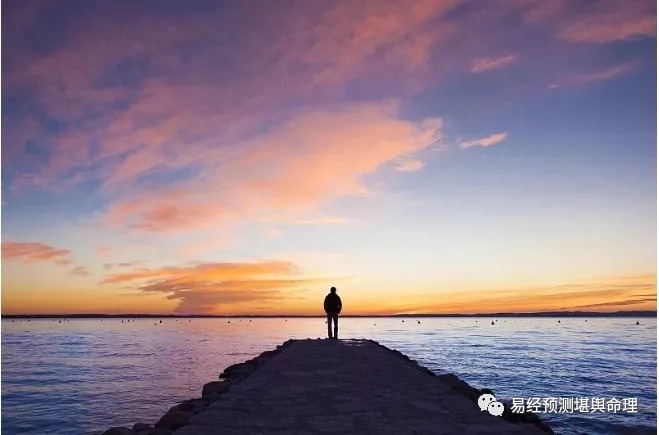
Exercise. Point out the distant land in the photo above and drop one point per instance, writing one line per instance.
(296, 316)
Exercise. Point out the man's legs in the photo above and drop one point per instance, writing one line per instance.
(329, 325)
(336, 324)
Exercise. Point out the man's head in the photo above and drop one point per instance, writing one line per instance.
(333, 290)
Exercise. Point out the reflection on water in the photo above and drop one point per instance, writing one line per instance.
(87, 375)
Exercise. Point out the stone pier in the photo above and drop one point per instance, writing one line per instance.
(335, 386)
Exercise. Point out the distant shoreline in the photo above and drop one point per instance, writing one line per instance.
(298, 316)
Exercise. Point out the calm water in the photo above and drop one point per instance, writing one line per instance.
(83, 376)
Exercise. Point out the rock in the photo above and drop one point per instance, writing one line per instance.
(138, 427)
(118, 431)
(239, 370)
(212, 397)
(193, 405)
(524, 418)
(460, 386)
(266, 354)
(215, 387)
(174, 419)
(156, 431)
(185, 406)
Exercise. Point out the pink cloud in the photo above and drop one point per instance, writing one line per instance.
(484, 142)
(316, 50)
(483, 64)
(313, 157)
(32, 252)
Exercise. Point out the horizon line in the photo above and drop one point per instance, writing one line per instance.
(644, 313)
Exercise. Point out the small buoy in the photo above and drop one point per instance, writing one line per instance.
(373, 324)
(476, 321)
(287, 320)
(637, 322)
(189, 321)
(59, 321)
(122, 321)
(161, 321)
(403, 321)
(493, 323)
(559, 321)
(251, 321)
(418, 322)
(586, 320)
(228, 321)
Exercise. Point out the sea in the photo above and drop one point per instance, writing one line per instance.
(70, 376)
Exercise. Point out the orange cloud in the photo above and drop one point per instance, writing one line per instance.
(598, 295)
(272, 173)
(32, 252)
(484, 142)
(483, 64)
(206, 271)
(203, 288)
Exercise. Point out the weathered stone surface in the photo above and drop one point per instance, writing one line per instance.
(345, 386)
(174, 419)
(193, 405)
(215, 387)
(238, 371)
(138, 427)
(211, 397)
(118, 431)
(156, 431)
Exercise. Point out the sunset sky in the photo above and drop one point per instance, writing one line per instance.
(241, 157)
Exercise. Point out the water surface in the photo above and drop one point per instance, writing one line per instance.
(85, 375)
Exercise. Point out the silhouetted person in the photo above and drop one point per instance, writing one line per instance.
(332, 307)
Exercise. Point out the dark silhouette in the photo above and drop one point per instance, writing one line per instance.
(332, 307)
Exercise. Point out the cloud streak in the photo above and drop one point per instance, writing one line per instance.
(34, 252)
(483, 64)
(483, 142)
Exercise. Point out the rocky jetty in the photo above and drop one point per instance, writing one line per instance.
(345, 386)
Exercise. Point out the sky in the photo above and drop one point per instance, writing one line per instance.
(225, 157)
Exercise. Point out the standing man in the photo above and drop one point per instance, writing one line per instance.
(332, 307)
